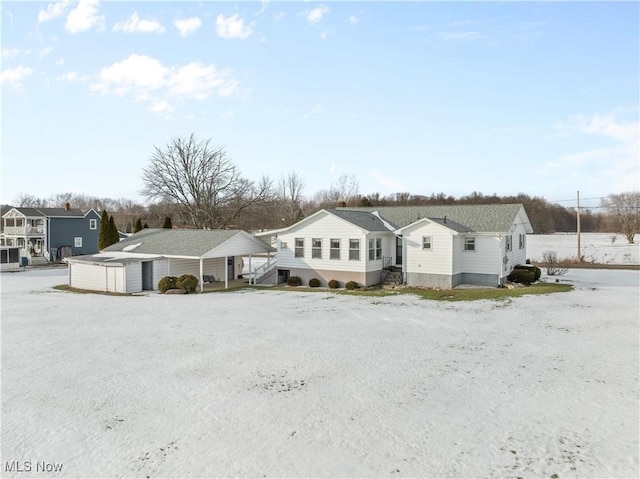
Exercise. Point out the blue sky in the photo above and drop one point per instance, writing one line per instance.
(424, 97)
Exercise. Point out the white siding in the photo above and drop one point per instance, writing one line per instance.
(487, 257)
(160, 270)
(456, 252)
(437, 260)
(326, 227)
(97, 277)
(241, 244)
(214, 266)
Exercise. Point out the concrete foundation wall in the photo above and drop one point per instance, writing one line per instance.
(363, 279)
(490, 280)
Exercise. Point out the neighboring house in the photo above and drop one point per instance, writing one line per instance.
(138, 262)
(429, 246)
(51, 234)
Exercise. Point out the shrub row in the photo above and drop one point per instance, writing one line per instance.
(187, 282)
(315, 282)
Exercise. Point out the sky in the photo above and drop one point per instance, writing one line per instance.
(420, 97)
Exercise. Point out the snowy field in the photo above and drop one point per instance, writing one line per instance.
(605, 248)
(283, 384)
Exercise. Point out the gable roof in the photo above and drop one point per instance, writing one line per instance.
(52, 212)
(182, 242)
(476, 218)
(363, 219)
(447, 223)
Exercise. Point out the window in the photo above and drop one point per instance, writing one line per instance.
(283, 245)
(521, 238)
(78, 242)
(20, 222)
(426, 242)
(20, 242)
(316, 248)
(354, 249)
(93, 224)
(375, 249)
(508, 243)
(9, 222)
(299, 248)
(469, 244)
(334, 249)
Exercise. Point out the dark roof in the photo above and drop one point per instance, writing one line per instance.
(363, 219)
(487, 218)
(52, 212)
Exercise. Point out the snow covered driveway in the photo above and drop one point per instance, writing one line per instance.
(267, 383)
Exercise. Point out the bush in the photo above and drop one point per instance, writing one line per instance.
(187, 282)
(334, 283)
(314, 282)
(537, 272)
(550, 258)
(167, 283)
(526, 276)
(294, 281)
(351, 285)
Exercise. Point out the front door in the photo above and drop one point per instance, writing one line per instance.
(231, 271)
(147, 275)
(398, 250)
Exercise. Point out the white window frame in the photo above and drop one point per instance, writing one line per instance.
(334, 251)
(354, 252)
(427, 242)
(469, 243)
(508, 243)
(77, 242)
(521, 240)
(299, 248)
(316, 251)
(93, 224)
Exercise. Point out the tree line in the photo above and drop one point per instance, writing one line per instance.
(193, 183)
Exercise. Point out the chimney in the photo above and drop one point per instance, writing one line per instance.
(445, 219)
(67, 206)
(342, 204)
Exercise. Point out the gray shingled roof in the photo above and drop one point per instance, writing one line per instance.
(478, 218)
(362, 219)
(162, 241)
(72, 212)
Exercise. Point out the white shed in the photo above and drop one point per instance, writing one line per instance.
(116, 273)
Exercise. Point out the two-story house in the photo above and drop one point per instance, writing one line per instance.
(51, 234)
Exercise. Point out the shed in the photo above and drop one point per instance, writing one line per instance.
(116, 272)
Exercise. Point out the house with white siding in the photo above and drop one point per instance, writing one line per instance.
(426, 246)
(138, 262)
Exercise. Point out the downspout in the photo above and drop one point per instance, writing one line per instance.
(250, 270)
(499, 260)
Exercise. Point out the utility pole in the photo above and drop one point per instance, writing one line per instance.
(578, 228)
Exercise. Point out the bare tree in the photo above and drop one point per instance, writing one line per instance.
(27, 200)
(202, 180)
(625, 208)
(290, 188)
(347, 188)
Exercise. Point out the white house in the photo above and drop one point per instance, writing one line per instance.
(138, 262)
(431, 246)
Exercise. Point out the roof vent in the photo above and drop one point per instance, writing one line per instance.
(67, 206)
(445, 219)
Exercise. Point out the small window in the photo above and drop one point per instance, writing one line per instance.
(283, 245)
(93, 224)
(521, 241)
(426, 242)
(508, 243)
(9, 222)
(20, 222)
(334, 249)
(77, 241)
(378, 248)
(21, 242)
(316, 248)
(354, 249)
(372, 249)
(299, 248)
(469, 244)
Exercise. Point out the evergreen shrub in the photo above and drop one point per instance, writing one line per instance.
(167, 283)
(351, 285)
(334, 283)
(187, 282)
(294, 281)
(314, 282)
(526, 276)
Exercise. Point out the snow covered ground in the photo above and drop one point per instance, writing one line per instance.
(605, 248)
(267, 383)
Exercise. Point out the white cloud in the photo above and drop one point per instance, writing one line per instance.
(134, 24)
(353, 19)
(324, 34)
(264, 5)
(69, 76)
(146, 79)
(53, 10)
(315, 15)
(278, 16)
(13, 77)
(10, 52)
(187, 26)
(84, 17)
(232, 27)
